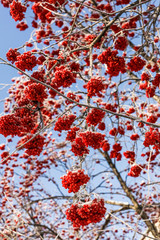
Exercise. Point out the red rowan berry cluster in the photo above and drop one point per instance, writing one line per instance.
(115, 153)
(36, 92)
(121, 43)
(71, 134)
(84, 214)
(136, 64)
(22, 26)
(156, 80)
(134, 137)
(92, 139)
(17, 10)
(129, 154)
(101, 126)
(95, 117)
(10, 125)
(152, 138)
(44, 14)
(120, 2)
(12, 55)
(26, 61)
(150, 91)
(71, 96)
(145, 76)
(115, 64)
(63, 77)
(135, 171)
(33, 147)
(79, 148)
(74, 180)
(105, 145)
(95, 86)
(64, 123)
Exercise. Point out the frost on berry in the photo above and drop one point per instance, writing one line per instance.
(74, 180)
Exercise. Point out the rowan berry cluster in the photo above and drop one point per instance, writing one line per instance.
(36, 92)
(12, 55)
(10, 125)
(71, 134)
(134, 137)
(95, 87)
(78, 147)
(64, 123)
(121, 43)
(150, 91)
(115, 64)
(17, 10)
(136, 64)
(156, 80)
(101, 126)
(115, 153)
(33, 147)
(95, 117)
(105, 145)
(63, 77)
(74, 180)
(26, 61)
(71, 96)
(135, 171)
(84, 214)
(152, 138)
(92, 139)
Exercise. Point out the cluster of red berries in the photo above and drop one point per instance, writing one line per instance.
(92, 139)
(73, 97)
(145, 76)
(71, 134)
(63, 77)
(36, 92)
(74, 180)
(156, 80)
(120, 2)
(134, 137)
(152, 138)
(121, 43)
(17, 10)
(95, 117)
(84, 214)
(115, 153)
(10, 125)
(78, 147)
(105, 146)
(12, 55)
(135, 171)
(64, 123)
(22, 26)
(115, 64)
(33, 147)
(150, 91)
(136, 64)
(95, 86)
(26, 61)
